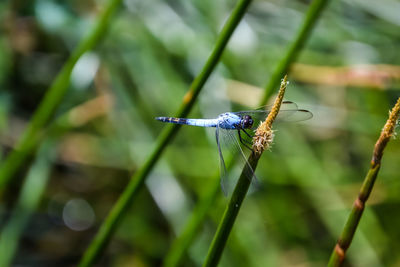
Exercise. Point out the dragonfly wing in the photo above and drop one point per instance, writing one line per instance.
(222, 165)
(286, 105)
(289, 112)
(230, 146)
(242, 156)
(294, 115)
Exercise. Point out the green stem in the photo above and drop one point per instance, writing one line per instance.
(28, 200)
(53, 97)
(344, 241)
(230, 214)
(108, 227)
(313, 13)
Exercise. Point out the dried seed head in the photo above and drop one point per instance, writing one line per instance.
(392, 122)
(262, 140)
(264, 133)
(387, 133)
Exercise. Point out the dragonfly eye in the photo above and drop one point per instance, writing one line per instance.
(247, 122)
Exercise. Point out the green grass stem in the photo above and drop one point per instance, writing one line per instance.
(314, 12)
(137, 181)
(230, 214)
(350, 227)
(53, 97)
(29, 199)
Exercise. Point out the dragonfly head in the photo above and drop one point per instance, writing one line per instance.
(247, 122)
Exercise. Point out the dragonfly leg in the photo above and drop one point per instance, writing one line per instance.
(246, 133)
(242, 140)
(247, 142)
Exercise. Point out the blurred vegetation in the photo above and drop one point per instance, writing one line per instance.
(103, 130)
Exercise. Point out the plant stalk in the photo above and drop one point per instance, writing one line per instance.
(28, 201)
(230, 214)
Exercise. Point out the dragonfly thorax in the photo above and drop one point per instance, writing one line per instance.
(233, 121)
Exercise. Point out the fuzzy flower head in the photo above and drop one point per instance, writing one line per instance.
(263, 139)
(264, 136)
(387, 132)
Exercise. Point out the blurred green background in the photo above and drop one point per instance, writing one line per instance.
(347, 76)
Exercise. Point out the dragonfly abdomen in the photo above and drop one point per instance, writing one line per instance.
(194, 122)
(172, 120)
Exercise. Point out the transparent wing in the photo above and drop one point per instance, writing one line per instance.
(230, 147)
(289, 112)
(222, 165)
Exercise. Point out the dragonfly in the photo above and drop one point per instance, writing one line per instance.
(241, 123)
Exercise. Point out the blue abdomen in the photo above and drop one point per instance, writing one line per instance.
(193, 122)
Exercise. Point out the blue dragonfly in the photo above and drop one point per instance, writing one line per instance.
(243, 123)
